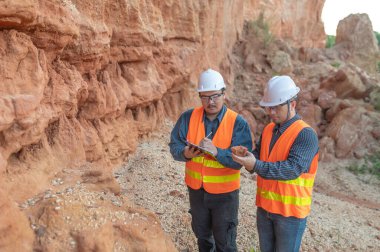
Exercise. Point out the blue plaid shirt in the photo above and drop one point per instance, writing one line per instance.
(302, 152)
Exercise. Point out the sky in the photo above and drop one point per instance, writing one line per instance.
(336, 10)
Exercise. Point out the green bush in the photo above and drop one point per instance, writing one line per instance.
(335, 64)
(370, 166)
(261, 30)
(254, 250)
(330, 41)
(374, 98)
(377, 35)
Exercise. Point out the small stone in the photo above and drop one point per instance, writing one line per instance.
(40, 231)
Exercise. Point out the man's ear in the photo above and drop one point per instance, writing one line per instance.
(294, 104)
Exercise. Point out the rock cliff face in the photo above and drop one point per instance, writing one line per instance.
(297, 22)
(82, 81)
(349, 38)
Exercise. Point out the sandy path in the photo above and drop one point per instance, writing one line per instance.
(345, 212)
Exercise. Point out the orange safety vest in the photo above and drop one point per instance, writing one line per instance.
(205, 170)
(285, 197)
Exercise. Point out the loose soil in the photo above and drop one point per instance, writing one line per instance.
(345, 213)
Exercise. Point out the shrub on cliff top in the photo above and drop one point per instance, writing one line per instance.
(260, 29)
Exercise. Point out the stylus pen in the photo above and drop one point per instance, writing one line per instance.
(209, 134)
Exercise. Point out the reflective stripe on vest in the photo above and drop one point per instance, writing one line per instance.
(205, 170)
(285, 197)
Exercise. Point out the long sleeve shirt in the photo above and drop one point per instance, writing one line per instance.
(241, 136)
(302, 152)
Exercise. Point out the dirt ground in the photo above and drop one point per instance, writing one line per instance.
(345, 213)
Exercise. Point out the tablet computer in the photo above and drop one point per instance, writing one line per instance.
(203, 150)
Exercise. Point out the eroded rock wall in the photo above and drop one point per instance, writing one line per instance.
(82, 81)
(297, 22)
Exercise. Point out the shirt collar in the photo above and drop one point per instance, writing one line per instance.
(283, 127)
(219, 117)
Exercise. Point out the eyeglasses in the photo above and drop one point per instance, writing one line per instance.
(213, 97)
(276, 108)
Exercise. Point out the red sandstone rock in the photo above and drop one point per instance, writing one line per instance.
(84, 80)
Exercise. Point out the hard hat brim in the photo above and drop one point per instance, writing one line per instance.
(272, 104)
(269, 104)
(209, 89)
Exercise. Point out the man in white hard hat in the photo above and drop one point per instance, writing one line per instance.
(286, 162)
(212, 177)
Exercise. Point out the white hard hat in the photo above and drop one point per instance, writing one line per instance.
(279, 90)
(210, 80)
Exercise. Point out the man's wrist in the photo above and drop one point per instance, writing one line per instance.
(253, 167)
(184, 156)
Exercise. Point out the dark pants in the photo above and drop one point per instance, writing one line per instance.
(214, 219)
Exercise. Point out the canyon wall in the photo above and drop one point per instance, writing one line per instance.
(83, 80)
(297, 22)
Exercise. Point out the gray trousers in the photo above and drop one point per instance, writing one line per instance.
(214, 219)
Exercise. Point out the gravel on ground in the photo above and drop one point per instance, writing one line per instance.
(345, 213)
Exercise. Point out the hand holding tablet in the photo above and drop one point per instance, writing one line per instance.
(197, 147)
